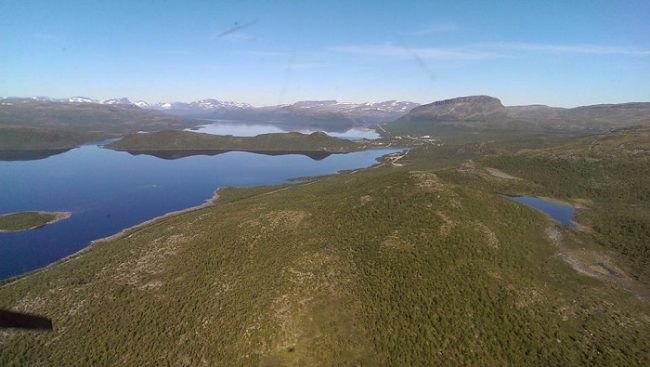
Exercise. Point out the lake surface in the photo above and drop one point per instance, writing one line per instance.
(561, 213)
(107, 191)
(238, 129)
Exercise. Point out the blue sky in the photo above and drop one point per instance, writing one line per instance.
(562, 53)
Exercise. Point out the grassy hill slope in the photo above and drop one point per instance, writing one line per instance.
(424, 264)
(608, 177)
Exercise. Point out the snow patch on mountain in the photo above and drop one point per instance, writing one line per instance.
(79, 99)
(122, 100)
(142, 104)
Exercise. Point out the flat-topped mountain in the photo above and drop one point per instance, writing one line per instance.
(470, 108)
(119, 116)
(489, 112)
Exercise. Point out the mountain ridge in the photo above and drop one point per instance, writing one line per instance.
(487, 111)
(339, 116)
(468, 111)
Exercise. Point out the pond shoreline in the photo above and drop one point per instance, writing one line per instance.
(559, 211)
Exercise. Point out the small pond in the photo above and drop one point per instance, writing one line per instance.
(559, 212)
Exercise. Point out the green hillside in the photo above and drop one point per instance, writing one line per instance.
(608, 176)
(419, 262)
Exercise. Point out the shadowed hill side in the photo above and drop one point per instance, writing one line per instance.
(107, 120)
(19, 139)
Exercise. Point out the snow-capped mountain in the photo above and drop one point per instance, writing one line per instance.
(199, 107)
(349, 107)
(313, 104)
(142, 104)
(393, 106)
(207, 107)
(42, 99)
(213, 104)
(79, 99)
(299, 112)
(122, 100)
(314, 114)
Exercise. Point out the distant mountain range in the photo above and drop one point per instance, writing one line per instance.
(327, 115)
(111, 118)
(486, 111)
(336, 116)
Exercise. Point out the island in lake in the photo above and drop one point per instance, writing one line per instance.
(199, 143)
(24, 221)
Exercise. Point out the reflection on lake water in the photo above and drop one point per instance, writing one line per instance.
(107, 191)
(239, 129)
(560, 212)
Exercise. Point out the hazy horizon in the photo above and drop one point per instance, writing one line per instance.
(565, 55)
(647, 100)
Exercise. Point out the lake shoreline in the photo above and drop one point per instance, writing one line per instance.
(379, 161)
(121, 233)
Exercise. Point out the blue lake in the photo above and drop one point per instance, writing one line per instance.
(107, 191)
(561, 213)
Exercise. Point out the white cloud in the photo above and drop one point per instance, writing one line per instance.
(484, 51)
(560, 48)
(434, 28)
(425, 53)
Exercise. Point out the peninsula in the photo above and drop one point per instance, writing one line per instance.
(24, 221)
